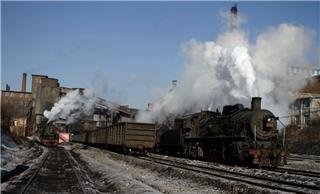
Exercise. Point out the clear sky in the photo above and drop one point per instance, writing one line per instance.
(130, 47)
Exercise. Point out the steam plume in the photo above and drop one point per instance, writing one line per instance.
(72, 107)
(231, 70)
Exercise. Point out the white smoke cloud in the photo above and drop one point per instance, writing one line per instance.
(275, 51)
(103, 89)
(231, 70)
(72, 107)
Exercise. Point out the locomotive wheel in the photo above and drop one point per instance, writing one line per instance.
(214, 153)
(210, 155)
(186, 151)
(192, 151)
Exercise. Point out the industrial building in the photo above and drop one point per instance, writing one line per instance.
(306, 108)
(305, 71)
(22, 111)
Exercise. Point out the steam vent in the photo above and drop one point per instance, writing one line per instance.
(160, 97)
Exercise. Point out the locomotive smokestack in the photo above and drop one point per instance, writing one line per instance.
(24, 82)
(256, 103)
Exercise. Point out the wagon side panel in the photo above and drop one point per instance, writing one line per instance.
(140, 135)
(81, 137)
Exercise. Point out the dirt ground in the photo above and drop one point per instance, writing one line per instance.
(118, 176)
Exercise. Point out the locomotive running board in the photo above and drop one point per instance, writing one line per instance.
(212, 139)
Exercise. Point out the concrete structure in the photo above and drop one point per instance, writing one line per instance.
(16, 109)
(18, 126)
(306, 108)
(45, 92)
(22, 112)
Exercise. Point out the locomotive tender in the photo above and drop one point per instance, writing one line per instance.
(238, 135)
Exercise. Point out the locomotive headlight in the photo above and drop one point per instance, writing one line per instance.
(268, 124)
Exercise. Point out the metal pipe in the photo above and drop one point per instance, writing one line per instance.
(284, 137)
(255, 133)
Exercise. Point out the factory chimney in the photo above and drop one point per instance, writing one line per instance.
(233, 15)
(174, 83)
(256, 103)
(150, 106)
(24, 82)
(7, 87)
(234, 10)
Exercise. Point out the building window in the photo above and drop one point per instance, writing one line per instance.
(294, 120)
(15, 123)
(306, 103)
(303, 120)
(296, 105)
(307, 119)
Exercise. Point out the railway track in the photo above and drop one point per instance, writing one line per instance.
(55, 174)
(294, 171)
(302, 158)
(264, 182)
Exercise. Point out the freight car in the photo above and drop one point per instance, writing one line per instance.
(125, 136)
(238, 135)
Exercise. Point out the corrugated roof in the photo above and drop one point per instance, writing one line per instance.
(313, 85)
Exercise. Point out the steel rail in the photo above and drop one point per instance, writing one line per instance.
(242, 177)
(25, 187)
(74, 170)
(301, 158)
(294, 171)
(34, 175)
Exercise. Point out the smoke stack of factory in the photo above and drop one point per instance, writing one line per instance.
(256, 103)
(174, 83)
(24, 82)
(233, 15)
(150, 106)
(7, 87)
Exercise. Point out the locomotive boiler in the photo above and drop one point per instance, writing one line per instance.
(238, 135)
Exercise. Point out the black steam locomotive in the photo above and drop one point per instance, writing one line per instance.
(48, 134)
(238, 135)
